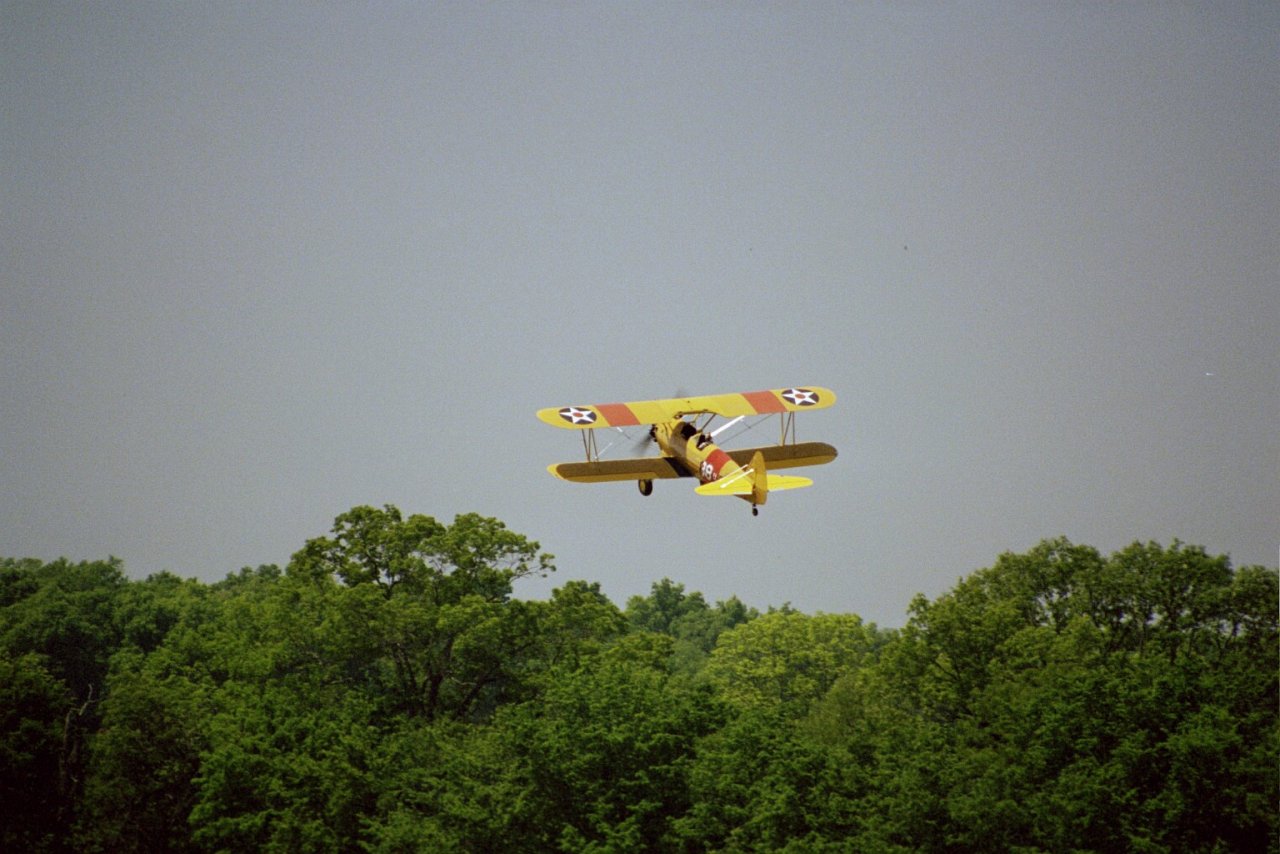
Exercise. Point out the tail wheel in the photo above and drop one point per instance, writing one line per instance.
(646, 487)
(755, 511)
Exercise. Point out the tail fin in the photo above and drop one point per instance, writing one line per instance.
(753, 483)
(759, 479)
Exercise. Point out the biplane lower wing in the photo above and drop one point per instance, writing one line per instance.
(661, 468)
(787, 456)
(767, 402)
(651, 468)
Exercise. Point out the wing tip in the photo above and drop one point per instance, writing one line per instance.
(802, 397)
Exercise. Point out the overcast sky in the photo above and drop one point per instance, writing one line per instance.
(265, 262)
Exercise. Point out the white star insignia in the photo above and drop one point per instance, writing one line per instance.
(576, 415)
(801, 396)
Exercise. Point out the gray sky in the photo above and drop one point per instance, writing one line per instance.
(264, 262)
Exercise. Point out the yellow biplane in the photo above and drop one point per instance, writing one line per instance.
(680, 427)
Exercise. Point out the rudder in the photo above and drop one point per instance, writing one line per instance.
(759, 480)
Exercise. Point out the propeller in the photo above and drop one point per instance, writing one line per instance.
(642, 444)
(635, 445)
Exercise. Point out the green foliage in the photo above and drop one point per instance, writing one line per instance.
(475, 555)
(756, 785)
(788, 659)
(428, 603)
(387, 693)
(283, 773)
(33, 704)
(693, 625)
(604, 753)
(446, 786)
(1067, 701)
(65, 613)
(58, 631)
(143, 761)
(577, 625)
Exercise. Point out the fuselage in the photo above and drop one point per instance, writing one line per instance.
(695, 450)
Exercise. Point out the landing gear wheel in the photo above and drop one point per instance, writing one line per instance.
(755, 511)
(646, 487)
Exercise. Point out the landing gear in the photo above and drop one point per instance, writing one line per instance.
(755, 511)
(646, 487)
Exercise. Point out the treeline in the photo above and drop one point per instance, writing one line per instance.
(386, 692)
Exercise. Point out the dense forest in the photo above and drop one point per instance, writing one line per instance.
(386, 691)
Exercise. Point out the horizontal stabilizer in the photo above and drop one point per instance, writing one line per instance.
(742, 485)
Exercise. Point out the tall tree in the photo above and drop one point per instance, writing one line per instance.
(139, 791)
(59, 627)
(1060, 699)
(33, 727)
(432, 600)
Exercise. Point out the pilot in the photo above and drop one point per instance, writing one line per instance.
(703, 440)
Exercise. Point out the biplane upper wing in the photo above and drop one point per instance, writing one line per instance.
(648, 468)
(795, 399)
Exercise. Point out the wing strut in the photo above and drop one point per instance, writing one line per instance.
(589, 445)
(788, 420)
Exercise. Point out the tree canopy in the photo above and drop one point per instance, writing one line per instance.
(388, 691)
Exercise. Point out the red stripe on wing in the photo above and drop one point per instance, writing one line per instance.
(617, 414)
(764, 401)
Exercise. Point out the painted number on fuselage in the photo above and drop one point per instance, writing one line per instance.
(708, 472)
